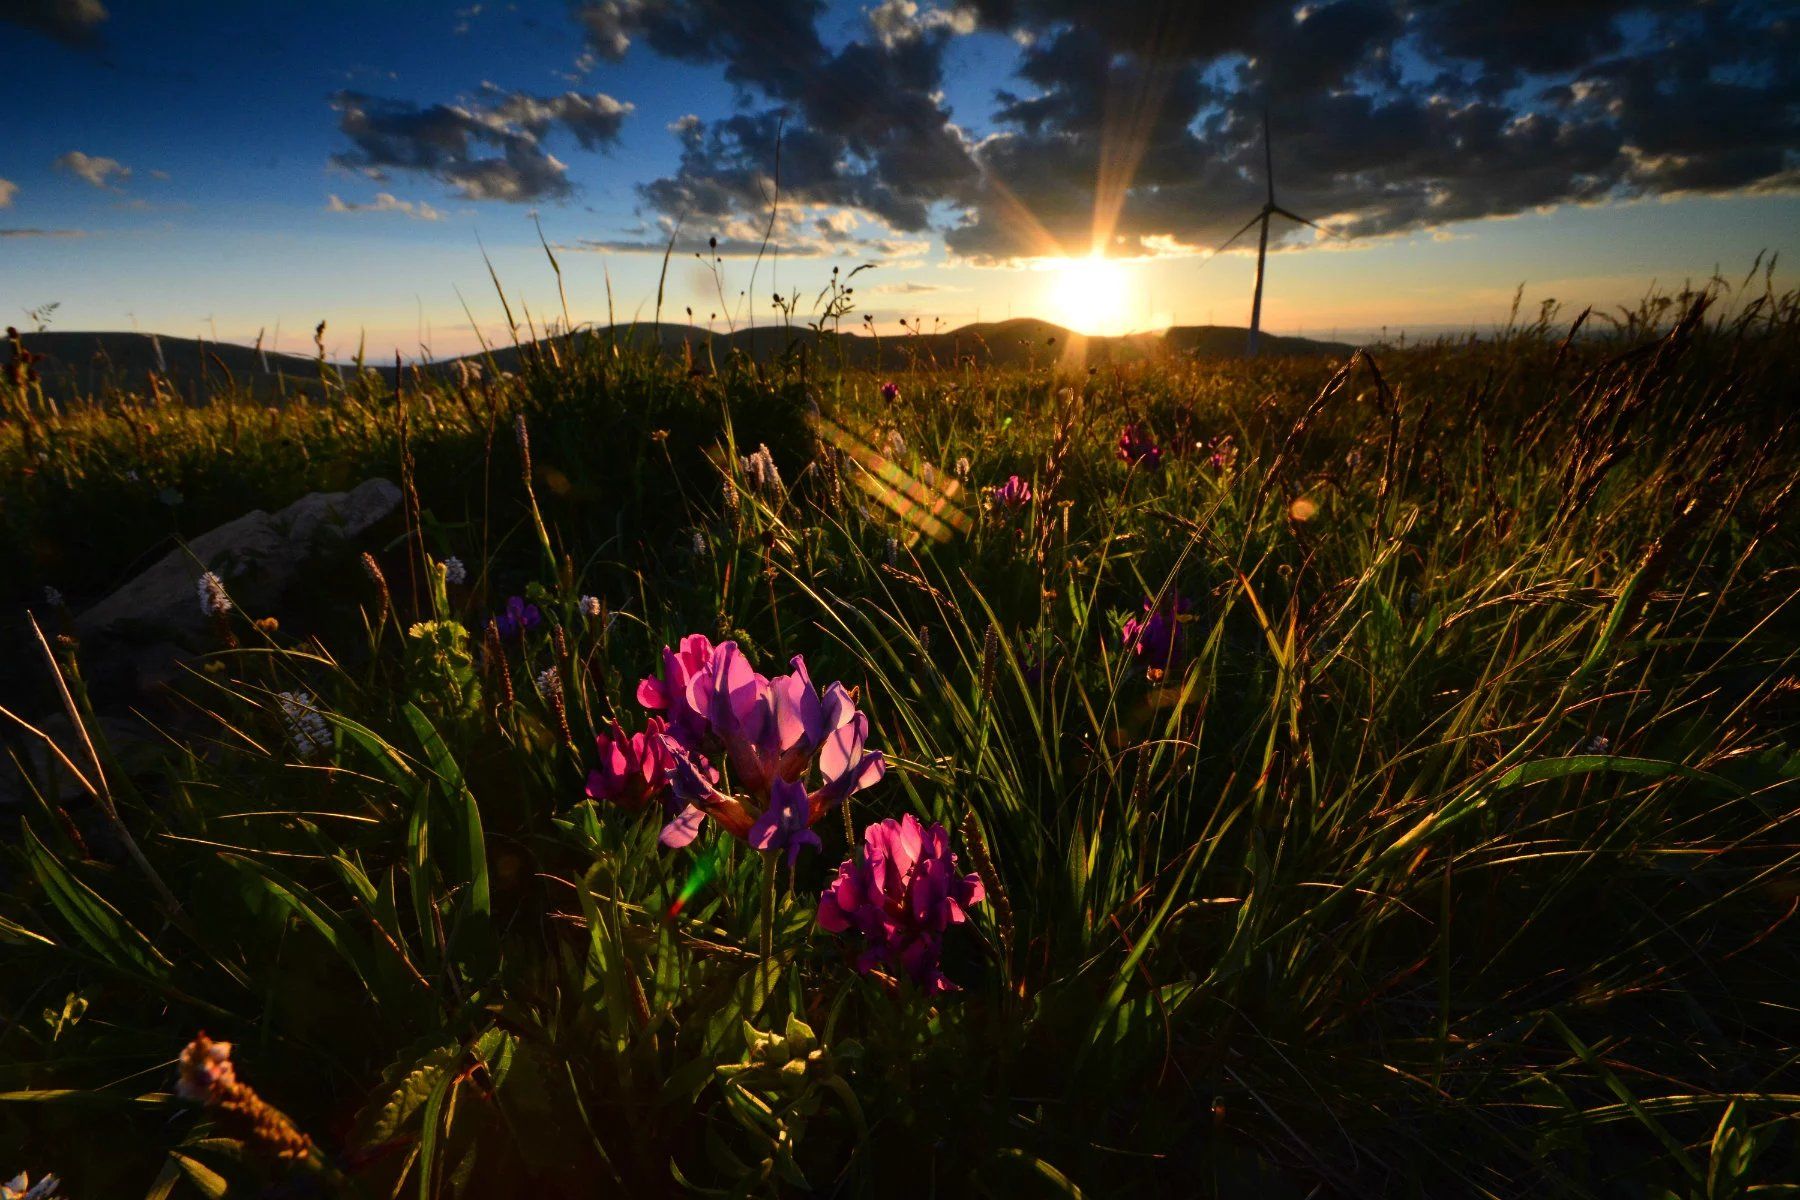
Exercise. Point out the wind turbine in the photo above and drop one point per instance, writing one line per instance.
(1269, 209)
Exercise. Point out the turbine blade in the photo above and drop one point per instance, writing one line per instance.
(1293, 216)
(1248, 226)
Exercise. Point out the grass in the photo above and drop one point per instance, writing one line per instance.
(1456, 857)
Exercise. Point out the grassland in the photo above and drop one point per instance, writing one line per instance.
(1443, 845)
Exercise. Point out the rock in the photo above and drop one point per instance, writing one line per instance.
(136, 638)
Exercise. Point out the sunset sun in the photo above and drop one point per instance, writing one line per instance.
(1089, 295)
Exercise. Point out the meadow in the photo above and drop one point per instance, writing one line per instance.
(1295, 777)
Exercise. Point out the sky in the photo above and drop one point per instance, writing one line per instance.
(236, 170)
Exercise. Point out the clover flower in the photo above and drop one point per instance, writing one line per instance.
(767, 732)
(1012, 495)
(518, 618)
(309, 732)
(1156, 639)
(900, 893)
(549, 684)
(213, 600)
(633, 768)
(786, 823)
(1137, 448)
(590, 607)
(455, 571)
(890, 391)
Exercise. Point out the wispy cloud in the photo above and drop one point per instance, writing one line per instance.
(42, 233)
(8, 189)
(96, 169)
(385, 202)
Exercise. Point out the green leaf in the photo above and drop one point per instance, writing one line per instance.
(98, 924)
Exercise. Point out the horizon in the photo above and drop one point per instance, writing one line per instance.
(992, 160)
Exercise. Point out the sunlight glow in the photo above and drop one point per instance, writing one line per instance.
(1090, 295)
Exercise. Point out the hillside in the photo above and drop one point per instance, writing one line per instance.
(96, 363)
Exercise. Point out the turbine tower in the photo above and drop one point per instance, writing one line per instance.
(1269, 210)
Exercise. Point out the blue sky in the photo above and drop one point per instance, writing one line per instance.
(224, 116)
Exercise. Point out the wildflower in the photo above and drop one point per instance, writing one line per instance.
(760, 469)
(633, 769)
(52, 597)
(767, 730)
(549, 684)
(1014, 494)
(963, 468)
(699, 544)
(454, 571)
(518, 618)
(1598, 744)
(1155, 639)
(896, 444)
(20, 1187)
(900, 893)
(308, 731)
(208, 1078)
(928, 475)
(1222, 454)
(590, 607)
(893, 552)
(890, 391)
(206, 1070)
(1136, 448)
(213, 600)
(786, 823)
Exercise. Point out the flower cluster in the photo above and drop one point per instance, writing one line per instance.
(1156, 638)
(518, 618)
(306, 728)
(775, 737)
(208, 1079)
(1012, 495)
(454, 571)
(890, 391)
(213, 600)
(900, 893)
(1222, 454)
(761, 472)
(1137, 448)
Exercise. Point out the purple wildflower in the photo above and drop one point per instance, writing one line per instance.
(1014, 494)
(518, 618)
(900, 893)
(1136, 447)
(1155, 639)
(890, 391)
(786, 823)
(770, 732)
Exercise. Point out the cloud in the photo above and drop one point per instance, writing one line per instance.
(913, 287)
(490, 148)
(386, 202)
(8, 189)
(71, 22)
(1136, 125)
(42, 233)
(95, 169)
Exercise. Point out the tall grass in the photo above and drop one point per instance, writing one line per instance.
(1456, 858)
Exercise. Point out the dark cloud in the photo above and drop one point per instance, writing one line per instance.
(71, 22)
(859, 126)
(489, 149)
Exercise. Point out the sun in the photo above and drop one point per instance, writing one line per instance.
(1089, 295)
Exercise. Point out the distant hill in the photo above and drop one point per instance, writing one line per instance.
(97, 363)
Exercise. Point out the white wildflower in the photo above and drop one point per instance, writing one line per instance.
(699, 544)
(760, 469)
(213, 600)
(454, 571)
(308, 730)
(893, 551)
(590, 607)
(549, 684)
(963, 468)
(52, 597)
